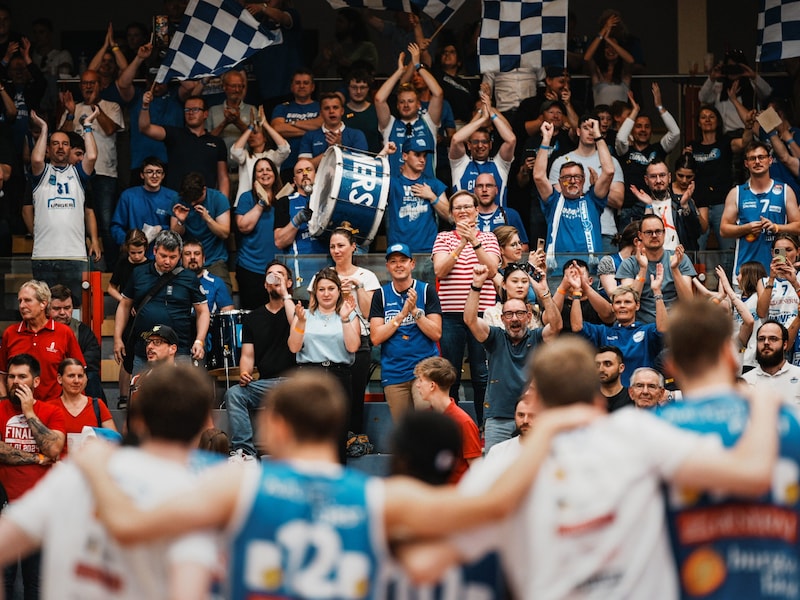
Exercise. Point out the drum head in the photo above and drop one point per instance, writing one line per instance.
(323, 201)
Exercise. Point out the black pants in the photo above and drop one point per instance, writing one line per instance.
(343, 373)
(30, 576)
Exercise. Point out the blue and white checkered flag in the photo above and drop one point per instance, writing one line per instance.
(778, 30)
(213, 37)
(522, 33)
(438, 10)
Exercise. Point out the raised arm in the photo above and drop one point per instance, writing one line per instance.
(540, 179)
(437, 93)
(603, 184)
(156, 132)
(90, 156)
(506, 151)
(477, 326)
(460, 137)
(382, 95)
(39, 151)
(622, 142)
(125, 79)
(670, 139)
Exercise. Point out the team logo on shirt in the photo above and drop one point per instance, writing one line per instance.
(777, 189)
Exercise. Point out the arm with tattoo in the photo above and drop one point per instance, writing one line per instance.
(50, 442)
(13, 456)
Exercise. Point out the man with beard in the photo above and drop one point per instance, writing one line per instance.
(33, 435)
(490, 214)
(680, 218)
(265, 333)
(161, 346)
(213, 287)
(772, 343)
(524, 415)
(507, 352)
(610, 365)
(292, 213)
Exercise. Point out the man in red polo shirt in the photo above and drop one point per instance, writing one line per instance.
(435, 376)
(46, 340)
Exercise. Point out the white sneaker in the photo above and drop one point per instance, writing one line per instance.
(240, 456)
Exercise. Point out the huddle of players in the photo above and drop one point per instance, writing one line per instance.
(578, 512)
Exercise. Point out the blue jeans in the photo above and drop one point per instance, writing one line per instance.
(104, 190)
(496, 430)
(240, 400)
(65, 272)
(714, 219)
(456, 336)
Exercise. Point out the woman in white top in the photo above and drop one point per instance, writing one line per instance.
(609, 65)
(252, 145)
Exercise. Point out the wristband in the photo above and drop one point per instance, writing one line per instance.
(475, 288)
(115, 48)
(715, 300)
(40, 457)
(493, 117)
(145, 108)
(87, 129)
(660, 107)
(640, 279)
(251, 128)
(543, 147)
(769, 286)
(419, 66)
(657, 297)
(70, 117)
(478, 245)
(179, 221)
(395, 323)
(600, 36)
(261, 203)
(562, 292)
(287, 297)
(775, 132)
(577, 294)
(545, 295)
(300, 331)
(454, 255)
(435, 202)
(197, 342)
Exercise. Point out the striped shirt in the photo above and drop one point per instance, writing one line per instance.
(454, 288)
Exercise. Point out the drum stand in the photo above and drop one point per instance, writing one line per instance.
(226, 354)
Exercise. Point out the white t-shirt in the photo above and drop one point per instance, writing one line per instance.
(106, 163)
(80, 559)
(593, 525)
(786, 381)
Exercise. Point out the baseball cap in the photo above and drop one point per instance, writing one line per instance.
(417, 144)
(162, 331)
(398, 249)
(548, 104)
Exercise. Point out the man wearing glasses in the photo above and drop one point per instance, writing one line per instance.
(573, 216)
(758, 209)
(359, 112)
(230, 119)
(475, 136)
(147, 207)
(191, 148)
(507, 352)
(642, 269)
(647, 388)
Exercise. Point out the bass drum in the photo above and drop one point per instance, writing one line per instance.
(350, 186)
(225, 350)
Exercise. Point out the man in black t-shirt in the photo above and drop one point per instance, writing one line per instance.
(610, 365)
(265, 333)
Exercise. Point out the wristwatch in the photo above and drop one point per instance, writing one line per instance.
(418, 314)
(262, 204)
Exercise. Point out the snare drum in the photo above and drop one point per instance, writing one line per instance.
(350, 186)
(225, 331)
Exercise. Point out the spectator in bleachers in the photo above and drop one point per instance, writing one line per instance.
(406, 322)
(412, 122)
(47, 57)
(490, 214)
(217, 295)
(773, 370)
(333, 131)
(530, 114)
(712, 151)
(359, 112)
(61, 307)
(7, 33)
(683, 183)
(26, 86)
(638, 270)
(610, 365)
(294, 118)
(48, 341)
(190, 148)
(635, 151)
(255, 220)
(758, 209)
(602, 112)
(59, 217)
(275, 65)
(573, 213)
(460, 92)
(608, 265)
(108, 63)
(253, 145)
(778, 292)
(403, 29)
(350, 49)
(588, 156)
(166, 108)
(228, 120)
(477, 138)
(732, 69)
(577, 287)
(609, 64)
(147, 207)
(136, 36)
(454, 255)
(109, 122)
(203, 213)
(133, 253)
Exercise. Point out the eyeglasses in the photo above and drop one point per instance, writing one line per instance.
(653, 387)
(772, 339)
(153, 172)
(193, 109)
(464, 208)
(653, 232)
(510, 314)
(757, 158)
(155, 341)
(571, 177)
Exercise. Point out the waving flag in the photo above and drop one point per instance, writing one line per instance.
(778, 30)
(438, 10)
(213, 37)
(522, 33)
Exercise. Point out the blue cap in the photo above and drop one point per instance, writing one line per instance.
(417, 144)
(398, 249)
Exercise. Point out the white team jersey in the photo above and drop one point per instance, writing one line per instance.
(80, 561)
(58, 214)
